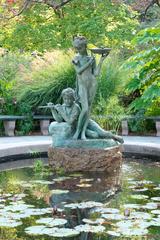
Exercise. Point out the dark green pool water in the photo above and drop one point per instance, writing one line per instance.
(90, 206)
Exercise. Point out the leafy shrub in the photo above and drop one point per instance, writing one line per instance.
(10, 67)
(112, 114)
(145, 66)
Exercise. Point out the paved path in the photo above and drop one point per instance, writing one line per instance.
(31, 144)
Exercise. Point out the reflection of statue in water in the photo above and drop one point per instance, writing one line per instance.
(66, 116)
(87, 71)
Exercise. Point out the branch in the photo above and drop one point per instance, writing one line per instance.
(24, 7)
(52, 4)
(143, 15)
(55, 6)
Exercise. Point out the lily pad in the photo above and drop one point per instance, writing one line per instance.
(37, 230)
(83, 205)
(133, 206)
(86, 180)
(150, 205)
(106, 210)
(52, 222)
(61, 179)
(156, 188)
(84, 185)
(94, 222)
(155, 222)
(41, 182)
(156, 211)
(113, 216)
(133, 224)
(37, 211)
(134, 232)
(114, 233)
(76, 175)
(140, 189)
(140, 215)
(63, 232)
(6, 222)
(136, 196)
(18, 207)
(156, 199)
(89, 228)
(59, 191)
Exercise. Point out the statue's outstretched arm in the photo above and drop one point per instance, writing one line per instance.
(54, 112)
(99, 66)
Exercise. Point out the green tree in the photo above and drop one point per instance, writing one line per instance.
(40, 28)
(145, 68)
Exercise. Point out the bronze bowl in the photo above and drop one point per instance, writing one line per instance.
(102, 51)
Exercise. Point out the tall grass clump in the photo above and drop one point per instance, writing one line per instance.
(111, 84)
(48, 77)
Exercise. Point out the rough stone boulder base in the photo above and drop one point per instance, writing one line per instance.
(74, 159)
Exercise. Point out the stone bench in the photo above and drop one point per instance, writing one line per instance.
(125, 119)
(9, 123)
(125, 128)
(44, 123)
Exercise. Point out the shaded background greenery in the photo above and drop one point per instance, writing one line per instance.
(35, 63)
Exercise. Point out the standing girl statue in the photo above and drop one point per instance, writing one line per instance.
(87, 71)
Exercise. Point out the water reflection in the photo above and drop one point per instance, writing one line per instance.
(82, 206)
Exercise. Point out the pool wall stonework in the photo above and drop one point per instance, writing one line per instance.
(72, 159)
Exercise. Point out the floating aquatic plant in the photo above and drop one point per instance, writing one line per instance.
(156, 199)
(140, 189)
(112, 216)
(89, 228)
(52, 222)
(133, 224)
(155, 222)
(37, 230)
(86, 180)
(150, 205)
(114, 233)
(54, 232)
(133, 232)
(133, 206)
(41, 182)
(83, 205)
(63, 232)
(156, 188)
(93, 222)
(136, 196)
(61, 179)
(59, 191)
(6, 222)
(156, 211)
(84, 185)
(140, 215)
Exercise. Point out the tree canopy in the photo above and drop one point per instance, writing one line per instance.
(40, 28)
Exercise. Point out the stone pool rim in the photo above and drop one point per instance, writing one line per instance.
(16, 148)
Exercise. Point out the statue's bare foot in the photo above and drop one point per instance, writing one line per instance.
(83, 136)
(119, 139)
(75, 136)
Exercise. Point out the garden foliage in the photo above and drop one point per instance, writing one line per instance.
(145, 68)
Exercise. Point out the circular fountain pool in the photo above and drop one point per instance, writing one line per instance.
(37, 204)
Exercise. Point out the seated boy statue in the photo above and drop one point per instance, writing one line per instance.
(66, 118)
